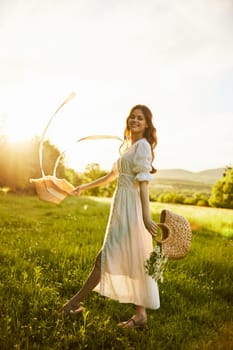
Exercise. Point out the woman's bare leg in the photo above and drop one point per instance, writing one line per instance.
(140, 313)
(91, 282)
(137, 320)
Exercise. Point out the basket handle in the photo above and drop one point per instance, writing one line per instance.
(68, 99)
(165, 233)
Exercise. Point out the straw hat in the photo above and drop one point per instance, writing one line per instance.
(176, 235)
(51, 189)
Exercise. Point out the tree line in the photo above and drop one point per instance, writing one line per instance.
(221, 195)
(19, 163)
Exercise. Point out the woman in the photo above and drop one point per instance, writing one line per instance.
(119, 271)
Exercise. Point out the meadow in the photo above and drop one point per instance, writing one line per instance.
(47, 251)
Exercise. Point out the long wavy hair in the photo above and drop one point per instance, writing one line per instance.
(150, 131)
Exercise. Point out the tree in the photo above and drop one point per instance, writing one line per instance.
(93, 172)
(20, 162)
(222, 192)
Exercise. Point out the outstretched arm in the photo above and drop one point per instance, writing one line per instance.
(99, 182)
(151, 226)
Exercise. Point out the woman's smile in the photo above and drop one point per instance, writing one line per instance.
(137, 121)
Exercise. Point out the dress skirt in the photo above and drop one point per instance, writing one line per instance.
(127, 243)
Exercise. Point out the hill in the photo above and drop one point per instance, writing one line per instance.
(209, 176)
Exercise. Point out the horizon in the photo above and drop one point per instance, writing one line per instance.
(75, 164)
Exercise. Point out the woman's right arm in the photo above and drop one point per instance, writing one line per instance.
(99, 182)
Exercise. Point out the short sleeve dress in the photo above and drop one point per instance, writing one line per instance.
(127, 243)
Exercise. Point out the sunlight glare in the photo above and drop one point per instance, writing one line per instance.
(16, 132)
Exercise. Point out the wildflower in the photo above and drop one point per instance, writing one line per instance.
(155, 265)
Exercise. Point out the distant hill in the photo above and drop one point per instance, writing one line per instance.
(209, 176)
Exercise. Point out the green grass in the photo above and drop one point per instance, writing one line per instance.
(47, 251)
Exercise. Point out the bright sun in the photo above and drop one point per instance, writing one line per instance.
(16, 131)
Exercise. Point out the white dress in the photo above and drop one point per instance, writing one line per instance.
(127, 243)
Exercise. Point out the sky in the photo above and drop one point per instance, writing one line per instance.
(176, 57)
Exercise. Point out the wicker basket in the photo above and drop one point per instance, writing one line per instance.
(176, 235)
(51, 189)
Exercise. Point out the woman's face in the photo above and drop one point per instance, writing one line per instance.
(137, 122)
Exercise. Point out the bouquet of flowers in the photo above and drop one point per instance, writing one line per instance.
(155, 265)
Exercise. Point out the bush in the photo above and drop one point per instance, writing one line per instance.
(222, 192)
(197, 198)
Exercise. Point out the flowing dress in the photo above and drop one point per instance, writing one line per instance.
(127, 243)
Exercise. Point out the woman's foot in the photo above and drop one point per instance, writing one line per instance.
(71, 308)
(134, 322)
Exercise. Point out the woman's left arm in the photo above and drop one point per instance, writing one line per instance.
(150, 225)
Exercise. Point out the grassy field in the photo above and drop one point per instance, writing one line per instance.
(47, 251)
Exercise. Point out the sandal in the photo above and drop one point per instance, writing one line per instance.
(69, 309)
(131, 323)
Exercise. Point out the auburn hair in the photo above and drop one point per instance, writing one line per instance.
(150, 132)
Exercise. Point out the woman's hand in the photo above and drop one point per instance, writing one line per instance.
(151, 226)
(77, 191)
(104, 180)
